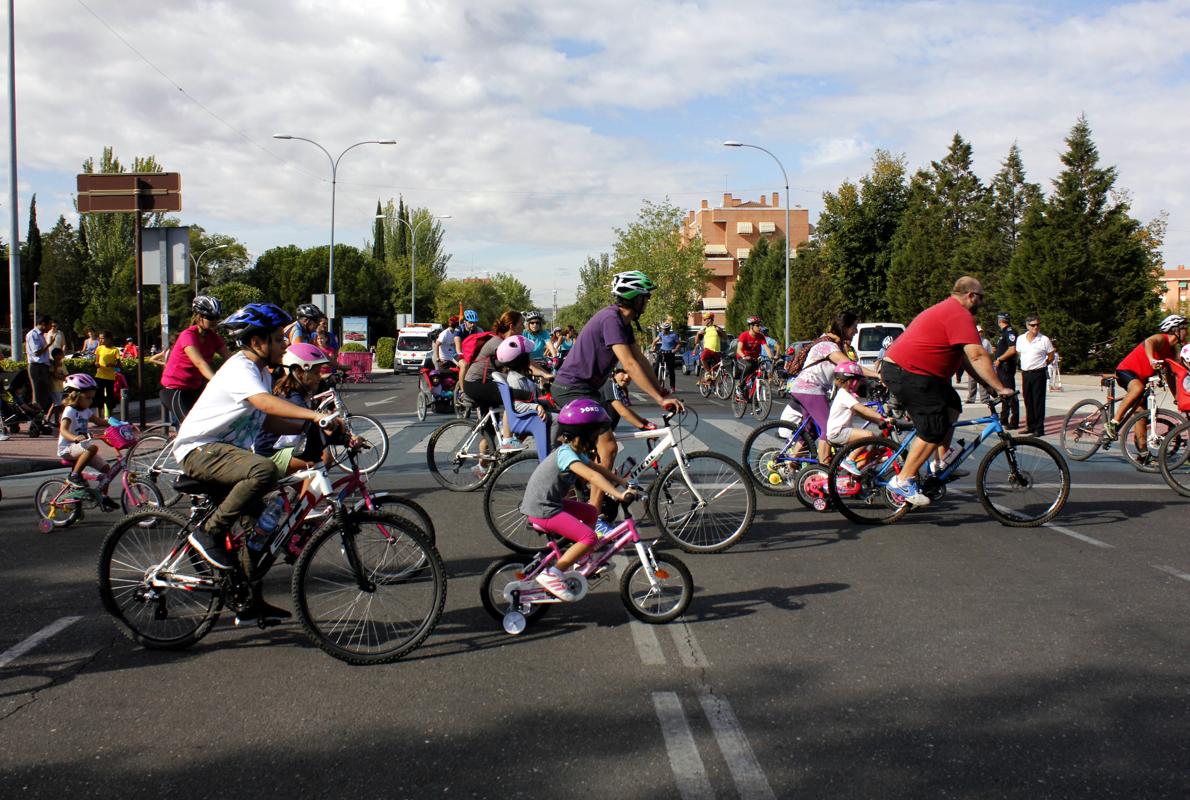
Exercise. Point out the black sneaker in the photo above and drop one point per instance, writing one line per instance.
(262, 614)
(210, 547)
(77, 481)
(1144, 458)
(108, 504)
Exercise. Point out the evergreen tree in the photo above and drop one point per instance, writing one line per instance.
(745, 297)
(378, 235)
(594, 292)
(31, 261)
(1004, 210)
(1082, 263)
(817, 298)
(63, 271)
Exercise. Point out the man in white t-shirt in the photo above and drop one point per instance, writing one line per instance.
(446, 346)
(1036, 351)
(214, 440)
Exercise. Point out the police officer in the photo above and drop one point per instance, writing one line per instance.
(1005, 362)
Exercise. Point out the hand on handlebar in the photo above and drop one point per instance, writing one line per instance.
(1005, 392)
(672, 404)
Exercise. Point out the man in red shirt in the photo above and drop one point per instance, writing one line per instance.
(918, 367)
(748, 346)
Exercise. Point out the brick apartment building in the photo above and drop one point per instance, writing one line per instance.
(728, 233)
(1177, 289)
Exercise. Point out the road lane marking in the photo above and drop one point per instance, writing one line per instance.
(1081, 537)
(647, 645)
(19, 649)
(689, 649)
(423, 445)
(690, 774)
(745, 770)
(378, 402)
(738, 430)
(1171, 571)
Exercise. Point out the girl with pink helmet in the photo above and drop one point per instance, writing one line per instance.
(513, 369)
(847, 406)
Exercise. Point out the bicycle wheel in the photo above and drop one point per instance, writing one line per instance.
(706, 383)
(773, 459)
(723, 384)
(369, 458)
(54, 506)
(408, 510)
(1154, 436)
(1081, 429)
(422, 406)
(1023, 483)
(1174, 459)
(152, 459)
(491, 592)
(865, 499)
(502, 505)
(811, 488)
(139, 494)
(762, 402)
(663, 602)
(160, 593)
(717, 520)
(351, 615)
(454, 452)
(739, 402)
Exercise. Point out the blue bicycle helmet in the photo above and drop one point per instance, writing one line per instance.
(470, 315)
(255, 318)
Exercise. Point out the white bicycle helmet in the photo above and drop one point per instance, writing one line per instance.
(1172, 323)
(79, 381)
(630, 285)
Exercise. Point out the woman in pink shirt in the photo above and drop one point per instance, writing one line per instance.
(188, 367)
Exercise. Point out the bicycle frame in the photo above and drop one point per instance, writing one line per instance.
(992, 428)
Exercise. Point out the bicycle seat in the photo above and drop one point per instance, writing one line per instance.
(66, 462)
(188, 485)
(538, 528)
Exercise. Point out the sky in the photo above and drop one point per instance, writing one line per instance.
(540, 127)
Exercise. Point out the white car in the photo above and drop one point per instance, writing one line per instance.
(869, 340)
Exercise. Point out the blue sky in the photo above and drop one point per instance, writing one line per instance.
(539, 127)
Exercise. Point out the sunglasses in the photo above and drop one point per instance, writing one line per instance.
(1033, 324)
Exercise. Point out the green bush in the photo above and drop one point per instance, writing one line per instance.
(87, 365)
(386, 349)
(354, 347)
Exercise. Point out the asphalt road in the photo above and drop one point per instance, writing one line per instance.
(945, 656)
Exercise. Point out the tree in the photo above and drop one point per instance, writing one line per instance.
(594, 292)
(817, 298)
(286, 278)
(1004, 211)
(760, 289)
(234, 294)
(31, 260)
(378, 235)
(399, 252)
(653, 245)
(224, 258)
(513, 293)
(478, 294)
(63, 272)
(1089, 269)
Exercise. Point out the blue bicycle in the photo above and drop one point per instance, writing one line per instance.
(1022, 482)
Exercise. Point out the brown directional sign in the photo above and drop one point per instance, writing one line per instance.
(129, 191)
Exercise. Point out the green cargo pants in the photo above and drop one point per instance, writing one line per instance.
(249, 476)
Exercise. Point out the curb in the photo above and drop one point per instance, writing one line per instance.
(20, 466)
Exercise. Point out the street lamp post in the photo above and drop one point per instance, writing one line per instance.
(198, 262)
(413, 262)
(788, 232)
(330, 278)
(35, 285)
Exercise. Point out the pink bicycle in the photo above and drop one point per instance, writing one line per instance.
(60, 505)
(655, 588)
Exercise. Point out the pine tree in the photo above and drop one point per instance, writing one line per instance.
(31, 258)
(1004, 210)
(378, 235)
(402, 250)
(817, 297)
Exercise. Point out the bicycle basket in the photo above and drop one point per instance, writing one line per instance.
(120, 437)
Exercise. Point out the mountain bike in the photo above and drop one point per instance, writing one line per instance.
(1173, 459)
(368, 587)
(703, 502)
(717, 380)
(1083, 427)
(754, 396)
(1022, 482)
(655, 588)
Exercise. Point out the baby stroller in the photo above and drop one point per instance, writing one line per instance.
(436, 391)
(16, 407)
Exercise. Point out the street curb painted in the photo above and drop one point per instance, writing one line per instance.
(20, 466)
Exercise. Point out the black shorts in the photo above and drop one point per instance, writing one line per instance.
(929, 401)
(564, 393)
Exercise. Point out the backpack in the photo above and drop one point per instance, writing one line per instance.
(471, 347)
(795, 360)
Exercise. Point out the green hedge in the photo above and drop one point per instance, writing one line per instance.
(386, 349)
(354, 347)
(87, 365)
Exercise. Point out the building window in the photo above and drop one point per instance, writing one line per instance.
(1184, 284)
(743, 227)
(742, 252)
(766, 227)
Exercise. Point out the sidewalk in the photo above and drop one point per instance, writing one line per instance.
(1075, 388)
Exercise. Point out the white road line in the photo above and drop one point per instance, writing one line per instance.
(738, 430)
(379, 402)
(1122, 487)
(19, 649)
(689, 773)
(749, 779)
(689, 649)
(394, 428)
(1081, 537)
(423, 445)
(1171, 571)
(690, 442)
(647, 644)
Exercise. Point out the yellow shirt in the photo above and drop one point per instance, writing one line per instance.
(106, 361)
(710, 338)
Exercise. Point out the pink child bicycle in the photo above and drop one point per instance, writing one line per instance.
(655, 588)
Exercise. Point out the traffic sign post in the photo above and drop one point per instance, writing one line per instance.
(165, 253)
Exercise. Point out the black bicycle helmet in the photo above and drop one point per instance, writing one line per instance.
(309, 311)
(206, 306)
(255, 318)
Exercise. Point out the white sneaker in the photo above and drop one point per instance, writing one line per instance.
(908, 492)
(551, 581)
(4, 437)
(510, 446)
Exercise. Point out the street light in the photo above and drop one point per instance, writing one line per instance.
(198, 261)
(413, 263)
(330, 278)
(35, 285)
(788, 232)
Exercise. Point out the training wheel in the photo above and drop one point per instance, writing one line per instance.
(44, 525)
(514, 623)
(821, 504)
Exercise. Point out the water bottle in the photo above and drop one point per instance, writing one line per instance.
(267, 523)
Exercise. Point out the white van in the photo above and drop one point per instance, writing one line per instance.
(414, 347)
(869, 340)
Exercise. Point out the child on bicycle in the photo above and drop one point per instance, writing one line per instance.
(57, 383)
(293, 452)
(513, 363)
(846, 405)
(74, 429)
(580, 422)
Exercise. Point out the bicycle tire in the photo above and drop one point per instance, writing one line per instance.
(502, 505)
(1081, 428)
(723, 384)
(706, 384)
(683, 522)
(135, 545)
(805, 495)
(422, 406)
(656, 604)
(866, 500)
(1167, 421)
(1032, 455)
(1174, 459)
(323, 581)
(59, 512)
(762, 402)
(491, 589)
(763, 445)
(407, 509)
(739, 403)
(370, 458)
(450, 466)
(139, 494)
(144, 460)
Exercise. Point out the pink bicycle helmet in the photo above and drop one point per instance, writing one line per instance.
(304, 355)
(511, 348)
(580, 413)
(79, 381)
(848, 369)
